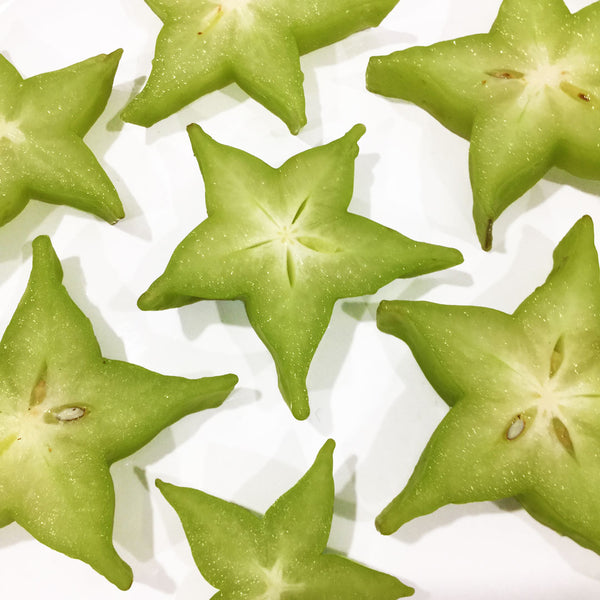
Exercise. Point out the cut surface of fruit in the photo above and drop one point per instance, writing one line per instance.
(283, 241)
(526, 95)
(524, 391)
(67, 413)
(205, 45)
(42, 153)
(280, 554)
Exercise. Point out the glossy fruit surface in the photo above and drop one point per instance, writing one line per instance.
(67, 413)
(205, 45)
(283, 241)
(526, 95)
(524, 390)
(42, 123)
(280, 554)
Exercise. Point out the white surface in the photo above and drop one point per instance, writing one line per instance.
(366, 390)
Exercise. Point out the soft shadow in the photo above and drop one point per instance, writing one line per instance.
(560, 177)
(534, 249)
(580, 559)
(16, 236)
(413, 289)
(13, 534)
(204, 108)
(364, 179)
(133, 530)
(75, 282)
(133, 510)
(344, 506)
(100, 138)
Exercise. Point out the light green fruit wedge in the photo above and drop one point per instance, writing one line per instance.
(282, 240)
(205, 45)
(42, 153)
(67, 413)
(525, 396)
(279, 554)
(527, 96)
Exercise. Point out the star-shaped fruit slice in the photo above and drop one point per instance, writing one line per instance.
(42, 123)
(67, 413)
(279, 554)
(525, 396)
(205, 45)
(526, 95)
(283, 241)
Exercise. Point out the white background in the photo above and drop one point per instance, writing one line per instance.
(366, 390)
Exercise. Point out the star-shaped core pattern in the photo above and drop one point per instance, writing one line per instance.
(42, 153)
(527, 96)
(67, 413)
(525, 396)
(283, 241)
(279, 555)
(205, 45)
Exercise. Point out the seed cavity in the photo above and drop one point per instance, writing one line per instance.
(505, 74)
(290, 267)
(300, 209)
(38, 393)
(70, 413)
(317, 244)
(516, 428)
(575, 92)
(558, 354)
(563, 436)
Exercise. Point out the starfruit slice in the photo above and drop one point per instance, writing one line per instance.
(282, 240)
(67, 413)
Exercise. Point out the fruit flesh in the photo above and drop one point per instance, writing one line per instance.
(280, 554)
(283, 241)
(67, 413)
(524, 390)
(42, 123)
(525, 95)
(205, 45)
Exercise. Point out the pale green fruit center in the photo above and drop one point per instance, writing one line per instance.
(10, 130)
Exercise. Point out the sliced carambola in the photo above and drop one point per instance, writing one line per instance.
(205, 45)
(283, 241)
(67, 413)
(527, 96)
(42, 123)
(525, 396)
(280, 554)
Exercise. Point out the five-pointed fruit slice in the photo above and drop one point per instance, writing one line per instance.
(278, 555)
(525, 396)
(283, 241)
(42, 123)
(527, 96)
(205, 45)
(66, 414)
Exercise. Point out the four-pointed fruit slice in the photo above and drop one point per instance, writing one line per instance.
(67, 413)
(205, 45)
(42, 153)
(525, 396)
(527, 95)
(280, 554)
(283, 241)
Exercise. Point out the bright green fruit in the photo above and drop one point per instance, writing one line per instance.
(205, 45)
(281, 554)
(283, 241)
(525, 396)
(67, 413)
(527, 95)
(42, 123)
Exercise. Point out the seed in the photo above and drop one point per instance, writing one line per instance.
(71, 413)
(516, 428)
